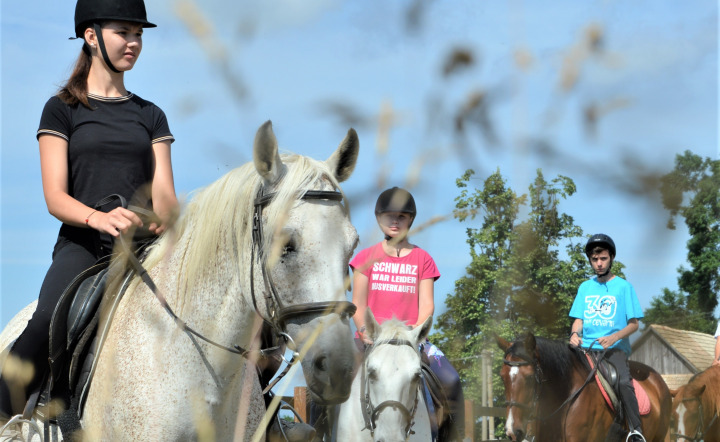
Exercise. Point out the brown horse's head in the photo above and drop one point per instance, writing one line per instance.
(521, 377)
(695, 407)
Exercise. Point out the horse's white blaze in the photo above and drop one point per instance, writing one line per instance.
(513, 373)
(509, 424)
(681, 410)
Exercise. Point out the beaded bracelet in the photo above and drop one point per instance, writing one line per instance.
(88, 217)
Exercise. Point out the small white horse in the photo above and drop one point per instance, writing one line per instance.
(268, 242)
(387, 402)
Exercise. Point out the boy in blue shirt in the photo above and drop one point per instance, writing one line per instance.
(606, 311)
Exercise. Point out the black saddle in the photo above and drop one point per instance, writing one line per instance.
(75, 341)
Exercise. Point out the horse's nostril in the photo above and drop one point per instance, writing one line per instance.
(321, 363)
(519, 435)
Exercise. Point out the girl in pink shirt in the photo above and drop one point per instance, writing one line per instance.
(396, 279)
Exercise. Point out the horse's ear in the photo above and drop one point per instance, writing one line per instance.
(674, 391)
(265, 154)
(423, 330)
(342, 161)
(504, 344)
(530, 343)
(372, 328)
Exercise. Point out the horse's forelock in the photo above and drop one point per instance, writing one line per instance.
(393, 329)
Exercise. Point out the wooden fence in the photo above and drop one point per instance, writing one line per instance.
(301, 403)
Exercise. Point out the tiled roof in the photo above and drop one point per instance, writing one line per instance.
(674, 381)
(697, 348)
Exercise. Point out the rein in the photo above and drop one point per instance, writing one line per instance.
(371, 413)
(701, 429)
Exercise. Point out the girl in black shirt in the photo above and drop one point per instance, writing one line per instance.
(95, 139)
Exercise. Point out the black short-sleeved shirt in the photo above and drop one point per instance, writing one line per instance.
(110, 146)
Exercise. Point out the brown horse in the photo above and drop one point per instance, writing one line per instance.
(695, 408)
(550, 396)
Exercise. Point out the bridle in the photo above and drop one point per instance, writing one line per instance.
(370, 412)
(532, 407)
(278, 314)
(701, 429)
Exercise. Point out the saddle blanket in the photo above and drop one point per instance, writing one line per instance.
(642, 397)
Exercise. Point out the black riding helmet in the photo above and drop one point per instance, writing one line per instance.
(396, 200)
(602, 240)
(94, 12)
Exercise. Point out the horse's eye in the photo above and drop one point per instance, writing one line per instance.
(288, 249)
(372, 374)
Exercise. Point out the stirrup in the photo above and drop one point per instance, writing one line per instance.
(635, 433)
(14, 435)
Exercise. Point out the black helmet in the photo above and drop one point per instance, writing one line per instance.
(395, 200)
(601, 240)
(93, 11)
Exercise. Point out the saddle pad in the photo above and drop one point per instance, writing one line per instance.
(640, 393)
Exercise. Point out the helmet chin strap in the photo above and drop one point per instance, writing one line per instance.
(101, 44)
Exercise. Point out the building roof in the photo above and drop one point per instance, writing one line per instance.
(675, 381)
(698, 349)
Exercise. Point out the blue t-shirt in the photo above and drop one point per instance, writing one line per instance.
(605, 308)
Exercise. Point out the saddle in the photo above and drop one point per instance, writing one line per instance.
(74, 341)
(606, 378)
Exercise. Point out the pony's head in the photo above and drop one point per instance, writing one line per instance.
(391, 376)
(695, 406)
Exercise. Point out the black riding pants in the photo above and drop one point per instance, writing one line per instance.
(625, 386)
(76, 250)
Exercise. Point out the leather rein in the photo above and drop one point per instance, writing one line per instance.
(370, 412)
(278, 313)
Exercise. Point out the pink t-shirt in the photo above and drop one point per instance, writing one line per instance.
(393, 283)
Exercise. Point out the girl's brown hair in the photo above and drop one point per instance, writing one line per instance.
(75, 90)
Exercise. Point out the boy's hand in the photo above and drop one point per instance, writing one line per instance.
(575, 340)
(608, 341)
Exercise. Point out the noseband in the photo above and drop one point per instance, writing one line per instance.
(370, 412)
(701, 429)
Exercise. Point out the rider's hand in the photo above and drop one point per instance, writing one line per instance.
(575, 340)
(115, 221)
(608, 341)
(715, 363)
(365, 338)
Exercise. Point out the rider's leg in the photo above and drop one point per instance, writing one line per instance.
(450, 382)
(625, 386)
(69, 259)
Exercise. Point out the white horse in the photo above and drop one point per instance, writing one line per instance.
(387, 401)
(268, 242)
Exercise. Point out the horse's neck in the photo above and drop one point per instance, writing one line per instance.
(216, 307)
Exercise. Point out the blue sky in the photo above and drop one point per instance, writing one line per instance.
(653, 80)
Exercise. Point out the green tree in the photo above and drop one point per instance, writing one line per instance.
(692, 190)
(524, 273)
